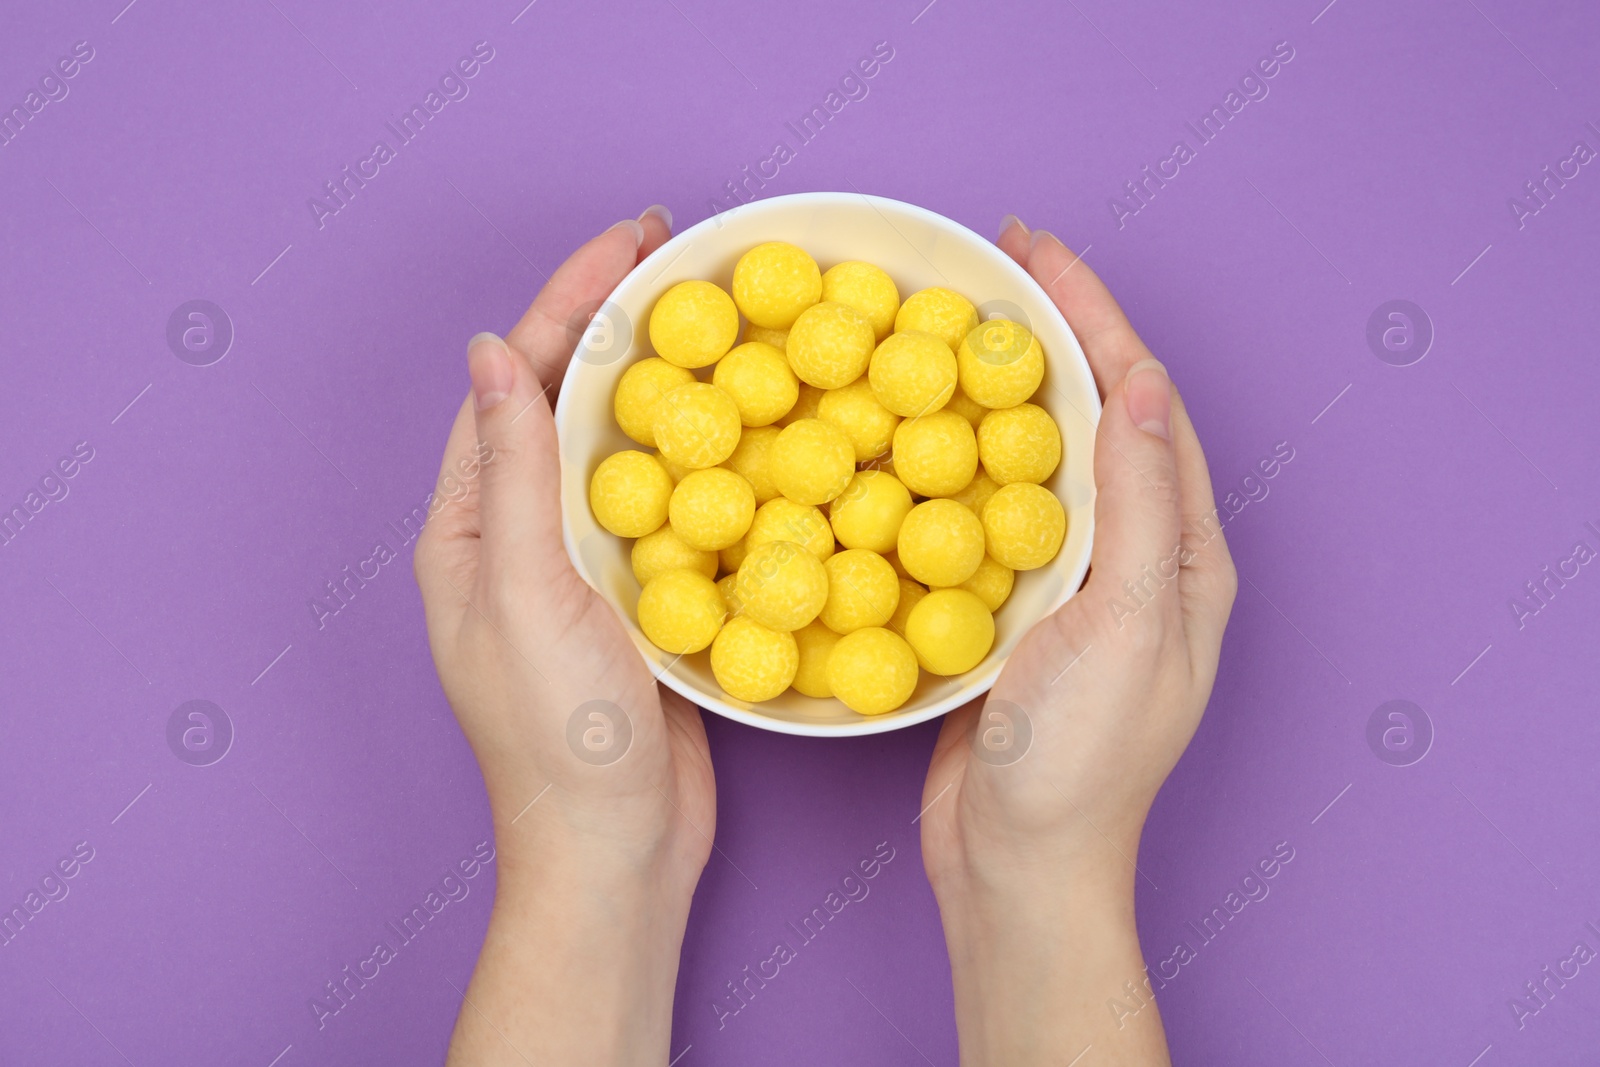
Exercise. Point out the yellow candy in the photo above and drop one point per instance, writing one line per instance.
(776, 338)
(774, 282)
(629, 492)
(941, 542)
(935, 455)
(950, 630)
(1020, 444)
(758, 378)
(664, 550)
(784, 520)
(680, 611)
(862, 591)
(894, 561)
(1000, 364)
(965, 406)
(697, 425)
(830, 345)
(866, 288)
(1024, 525)
(872, 670)
(676, 471)
(752, 662)
(911, 594)
(639, 395)
(712, 508)
(869, 512)
(815, 641)
(855, 410)
(991, 582)
(782, 586)
(749, 460)
(912, 373)
(693, 324)
(977, 492)
(730, 558)
(811, 461)
(947, 315)
(806, 406)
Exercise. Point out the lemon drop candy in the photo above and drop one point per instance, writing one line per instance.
(1023, 524)
(697, 425)
(749, 460)
(806, 405)
(774, 282)
(911, 594)
(912, 373)
(675, 471)
(680, 611)
(814, 642)
(866, 288)
(639, 394)
(728, 586)
(751, 662)
(830, 345)
(776, 338)
(782, 519)
(781, 585)
(811, 462)
(1000, 364)
(869, 512)
(965, 406)
(663, 550)
(950, 630)
(991, 582)
(977, 492)
(942, 542)
(947, 315)
(873, 671)
(758, 378)
(712, 508)
(936, 455)
(629, 493)
(693, 324)
(863, 590)
(855, 409)
(1020, 444)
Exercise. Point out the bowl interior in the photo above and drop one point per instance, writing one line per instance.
(918, 249)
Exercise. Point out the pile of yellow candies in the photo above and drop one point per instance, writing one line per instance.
(843, 497)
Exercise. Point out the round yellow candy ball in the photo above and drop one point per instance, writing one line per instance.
(728, 586)
(965, 406)
(712, 508)
(977, 492)
(782, 519)
(866, 288)
(811, 462)
(806, 406)
(911, 594)
(752, 662)
(749, 460)
(675, 471)
(991, 582)
(664, 550)
(1020, 444)
(869, 512)
(781, 585)
(680, 611)
(815, 641)
(830, 345)
(776, 338)
(758, 378)
(693, 324)
(950, 630)
(774, 282)
(1024, 525)
(697, 425)
(855, 410)
(862, 591)
(639, 395)
(935, 455)
(1000, 363)
(629, 493)
(947, 315)
(894, 561)
(941, 543)
(873, 671)
(912, 373)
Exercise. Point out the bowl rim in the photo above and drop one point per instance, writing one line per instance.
(871, 724)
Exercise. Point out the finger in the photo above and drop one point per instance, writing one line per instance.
(657, 223)
(1098, 322)
(1014, 239)
(447, 547)
(1209, 582)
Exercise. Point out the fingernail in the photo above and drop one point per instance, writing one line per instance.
(1148, 391)
(659, 211)
(489, 366)
(1040, 235)
(1010, 221)
(633, 227)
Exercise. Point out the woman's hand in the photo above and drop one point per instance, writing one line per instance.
(1037, 795)
(599, 780)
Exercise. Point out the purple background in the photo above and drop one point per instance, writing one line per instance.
(1380, 566)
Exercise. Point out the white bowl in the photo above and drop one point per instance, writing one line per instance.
(919, 249)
